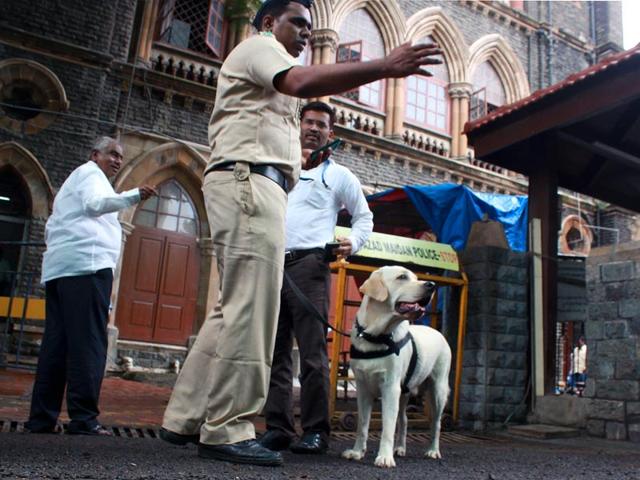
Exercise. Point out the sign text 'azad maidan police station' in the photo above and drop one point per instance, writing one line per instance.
(406, 250)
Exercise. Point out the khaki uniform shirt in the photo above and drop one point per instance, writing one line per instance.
(251, 120)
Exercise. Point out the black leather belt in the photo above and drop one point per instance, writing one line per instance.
(269, 171)
(291, 255)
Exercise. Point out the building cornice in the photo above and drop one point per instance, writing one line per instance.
(24, 40)
(526, 24)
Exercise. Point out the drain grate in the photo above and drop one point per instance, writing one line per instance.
(420, 437)
(12, 426)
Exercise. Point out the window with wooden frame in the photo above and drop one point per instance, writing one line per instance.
(427, 98)
(350, 53)
(361, 41)
(488, 89)
(194, 25)
(427, 103)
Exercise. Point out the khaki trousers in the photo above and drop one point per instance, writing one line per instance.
(224, 381)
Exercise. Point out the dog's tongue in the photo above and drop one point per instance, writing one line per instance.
(405, 307)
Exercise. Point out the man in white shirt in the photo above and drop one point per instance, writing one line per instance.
(83, 237)
(579, 367)
(323, 190)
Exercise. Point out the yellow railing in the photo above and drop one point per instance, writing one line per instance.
(35, 308)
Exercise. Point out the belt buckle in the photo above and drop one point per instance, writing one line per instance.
(289, 255)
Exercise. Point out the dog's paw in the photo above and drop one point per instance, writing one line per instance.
(431, 453)
(400, 451)
(385, 461)
(353, 454)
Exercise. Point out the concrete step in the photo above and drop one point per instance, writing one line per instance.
(542, 431)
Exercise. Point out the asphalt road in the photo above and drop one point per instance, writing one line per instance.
(62, 456)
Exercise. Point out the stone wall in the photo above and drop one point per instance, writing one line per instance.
(613, 339)
(494, 375)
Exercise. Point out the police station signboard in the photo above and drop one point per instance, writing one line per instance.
(406, 250)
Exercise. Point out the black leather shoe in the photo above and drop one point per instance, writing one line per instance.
(310, 443)
(42, 430)
(96, 430)
(247, 451)
(275, 440)
(177, 438)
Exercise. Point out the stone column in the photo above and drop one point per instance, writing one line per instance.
(390, 104)
(147, 30)
(112, 330)
(460, 93)
(494, 372)
(240, 29)
(324, 43)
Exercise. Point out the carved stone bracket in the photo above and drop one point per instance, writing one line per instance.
(325, 38)
(460, 90)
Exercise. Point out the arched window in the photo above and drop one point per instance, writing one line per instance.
(427, 98)
(489, 92)
(360, 40)
(196, 25)
(171, 210)
(15, 206)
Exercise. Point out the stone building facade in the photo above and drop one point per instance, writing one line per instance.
(146, 71)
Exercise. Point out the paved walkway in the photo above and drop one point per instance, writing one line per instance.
(122, 402)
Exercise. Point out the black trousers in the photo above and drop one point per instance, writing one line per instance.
(312, 276)
(73, 352)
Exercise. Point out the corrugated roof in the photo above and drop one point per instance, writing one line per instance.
(572, 79)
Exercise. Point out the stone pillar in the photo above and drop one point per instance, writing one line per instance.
(324, 43)
(112, 330)
(459, 93)
(239, 30)
(147, 31)
(495, 358)
(612, 333)
(395, 108)
(390, 106)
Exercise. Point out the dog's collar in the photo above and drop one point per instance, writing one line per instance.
(383, 339)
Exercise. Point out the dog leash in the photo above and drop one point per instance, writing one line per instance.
(310, 307)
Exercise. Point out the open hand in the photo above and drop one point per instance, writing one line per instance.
(408, 59)
(309, 163)
(147, 191)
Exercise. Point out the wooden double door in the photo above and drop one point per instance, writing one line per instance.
(158, 286)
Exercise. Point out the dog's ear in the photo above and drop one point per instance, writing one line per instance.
(375, 288)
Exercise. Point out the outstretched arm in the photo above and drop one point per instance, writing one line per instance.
(319, 80)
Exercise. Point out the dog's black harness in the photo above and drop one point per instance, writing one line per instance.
(392, 347)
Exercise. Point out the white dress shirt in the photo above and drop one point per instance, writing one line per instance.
(580, 359)
(83, 234)
(315, 201)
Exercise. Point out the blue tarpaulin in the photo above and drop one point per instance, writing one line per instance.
(451, 209)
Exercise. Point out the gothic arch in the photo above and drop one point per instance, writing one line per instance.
(433, 21)
(321, 14)
(494, 49)
(387, 16)
(34, 175)
(169, 160)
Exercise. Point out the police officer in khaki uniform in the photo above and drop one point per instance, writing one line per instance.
(255, 159)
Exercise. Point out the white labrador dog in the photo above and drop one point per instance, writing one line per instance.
(381, 359)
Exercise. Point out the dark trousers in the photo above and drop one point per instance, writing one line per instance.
(73, 352)
(312, 276)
